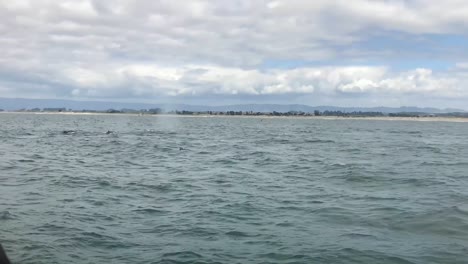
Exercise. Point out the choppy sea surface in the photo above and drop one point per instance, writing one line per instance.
(232, 190)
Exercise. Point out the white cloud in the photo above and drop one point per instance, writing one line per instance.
(462, 65)
(136, 49)
(156, 80)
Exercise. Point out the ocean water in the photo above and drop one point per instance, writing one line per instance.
(232, 190)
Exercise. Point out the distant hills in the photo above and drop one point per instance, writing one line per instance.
(12, 104)
(310, 109)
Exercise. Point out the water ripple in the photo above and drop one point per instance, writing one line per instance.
(232, 190)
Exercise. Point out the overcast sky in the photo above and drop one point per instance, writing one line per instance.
(317, 52)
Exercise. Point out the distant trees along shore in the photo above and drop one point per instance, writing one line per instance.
(156, 111)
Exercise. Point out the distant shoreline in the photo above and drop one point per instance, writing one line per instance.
(377, 118)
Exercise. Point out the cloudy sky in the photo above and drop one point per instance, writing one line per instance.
(317, 52)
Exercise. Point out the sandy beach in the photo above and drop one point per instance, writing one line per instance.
(380, 118)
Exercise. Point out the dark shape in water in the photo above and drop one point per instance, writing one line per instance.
(181, 148)
(68, 132)
(3, 256)
(6, 215)
(109, 132)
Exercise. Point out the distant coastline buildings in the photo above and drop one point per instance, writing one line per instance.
(326, 113)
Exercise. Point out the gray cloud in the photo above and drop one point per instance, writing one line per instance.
(143, 49)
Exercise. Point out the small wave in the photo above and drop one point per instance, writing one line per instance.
(420, 182)
(33, 194)
(115, 142)
(163, 187)
(67, 200)
(340, 165)
(351, 255)
(104, 183)
(280, 141)
(96, 235)
(360, 178)
(182, 254)
(240, 158)
(98, 203)
(26, 160)
(133, 163)
(441, 163)
(353, 150)
(153, 132)
(285, 224)
(199, 232)
(459, 210)
(37, 156)
(386, 210)
(451, 221)
(226, 161)
(430, 148)
(319, 141)
(317, 202)
(149, 211)
(378, 198)
(283, 257)
(359, 236)
(405, 132)
(52, 227)
(160, 229)
(237, 234)
(32, 179)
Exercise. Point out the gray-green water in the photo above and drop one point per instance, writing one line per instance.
(232, 190)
